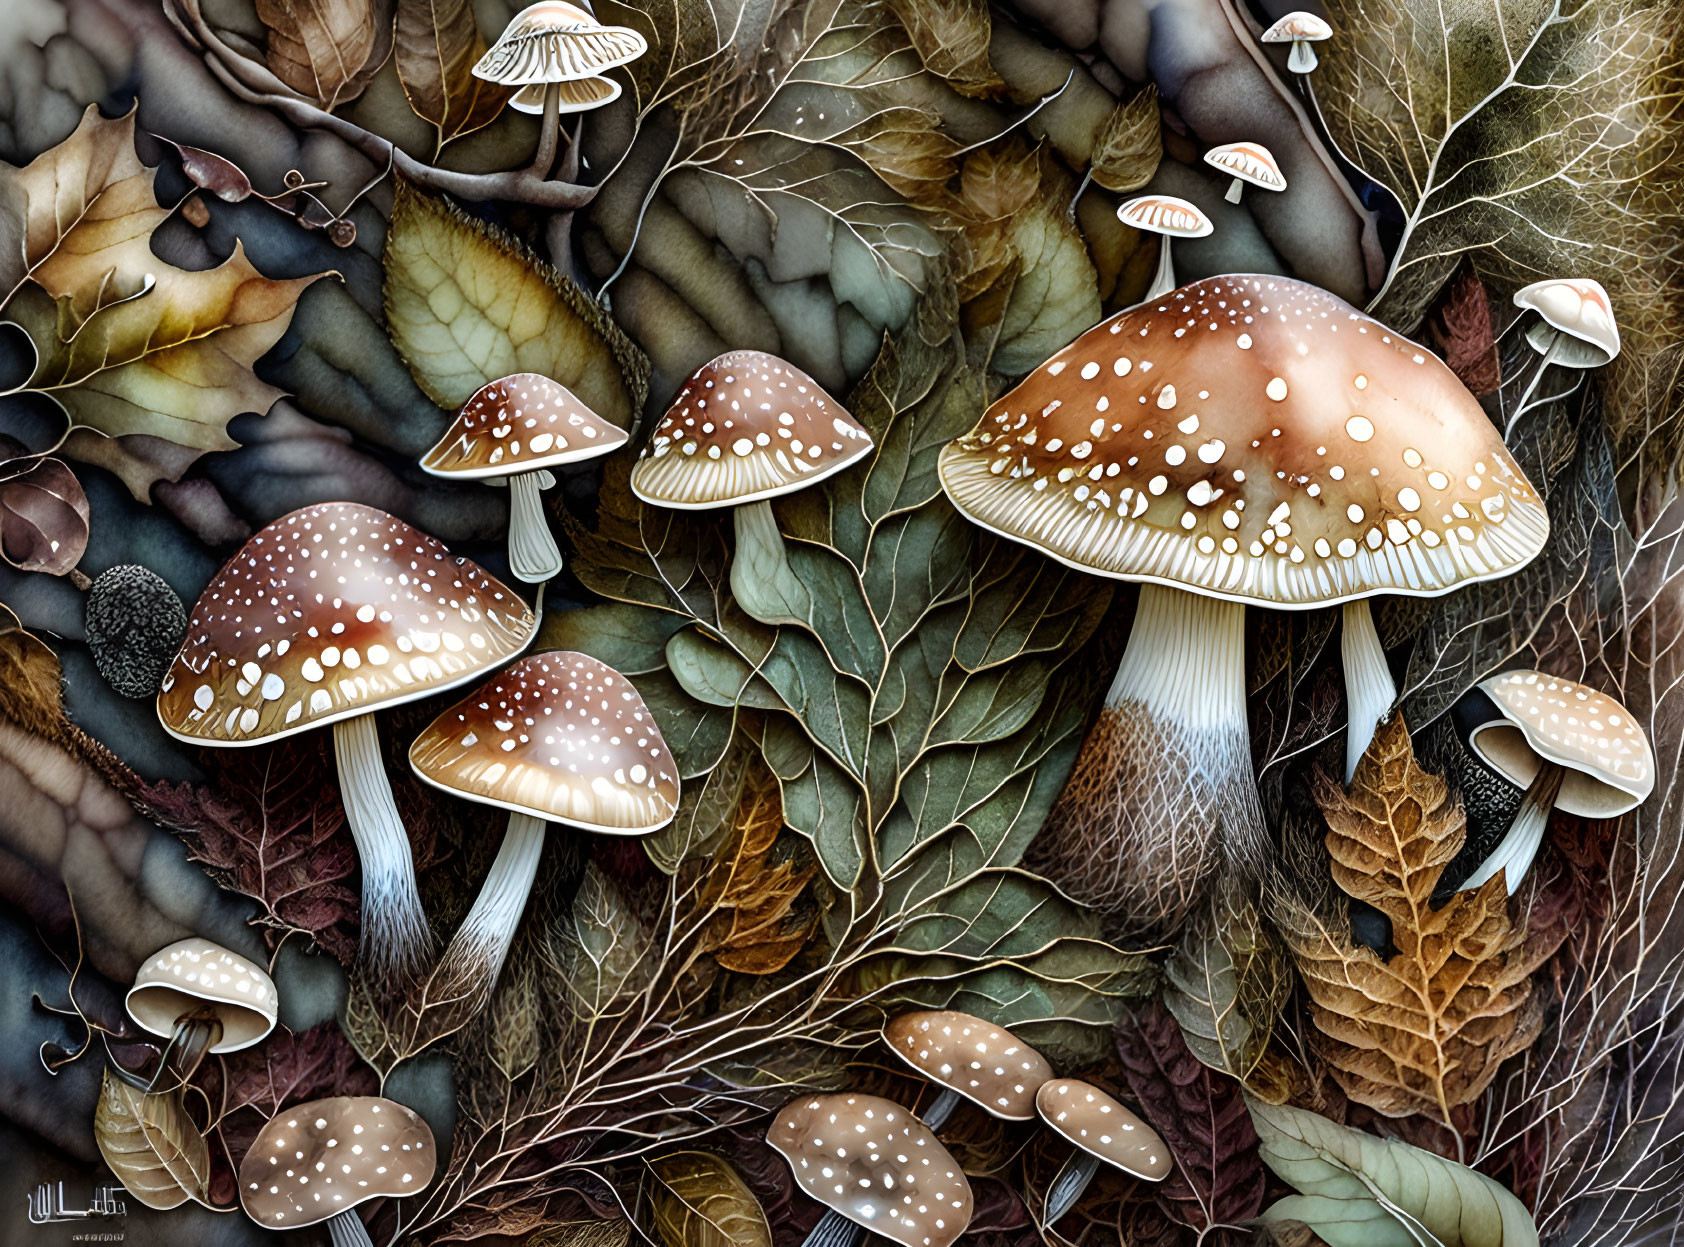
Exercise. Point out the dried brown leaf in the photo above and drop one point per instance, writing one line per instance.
(152, 1145)
(698, 1200)
(43, 518)
(327, 50)
(436, 46)
(951, 37)
(1460, 326)
(1130, 144)
(755, 887)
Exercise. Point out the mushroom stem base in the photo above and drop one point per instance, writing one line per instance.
(1068, 1186)
(1163, 278)
(834, 1230)
(1369, 689)
(396, 941)
(533, 554)
(474, 959)
(1520, 844)
(761, 579)
(347, 1230)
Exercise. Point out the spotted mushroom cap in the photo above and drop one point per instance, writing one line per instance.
(559, 736)
(1100, 1125)
(1299, 25)
(577, 96)
(1610, 768)
(1255, 439)
(1165, 214)
(1250, 162)
(314, 1161)
(1577, 307)
(982, 1062)
(746, 426)
(554, 41)
(517, 424)
(193, 973)
(875, 1163)
(328, 613)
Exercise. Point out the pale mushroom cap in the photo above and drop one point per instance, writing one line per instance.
(520, 423)
(193, 973)
(746, 426)
(1610, 768)
(1165, 214)
(1299, 25)
(577, 96)
(982, 1062)
(1100, 1125)
(331, 612)
(1579, 307)
(560, 736)
(317, 1160)
(1250, 162)
(875, 1163)
(553, 41)
(1256, 439)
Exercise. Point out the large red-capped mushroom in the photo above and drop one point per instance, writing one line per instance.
(1243, 440)
(326, 615)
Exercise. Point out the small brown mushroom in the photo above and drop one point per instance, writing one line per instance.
(1103, 1130)
(324, 616)
(1303, 31)
(1171, 217)
(1249, 163)
(316, 1162)
(873, 1163)
(970, 1058)
(201, 998)
(515, 429)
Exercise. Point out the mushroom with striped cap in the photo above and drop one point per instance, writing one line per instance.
(323, 617)
(202, 999)
(1249, 164)
(515, 429)
(971, 1059)
(316, 1162)
(1244, 440)
(1105, 1131)
(1303, 31)
(557, 737)
(876, 1164)
(748, 427)
(1570, 747)
(1575, 328)
(1172, 218)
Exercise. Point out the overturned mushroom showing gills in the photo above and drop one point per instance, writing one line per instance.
(971, 1059)
(323, 617)
(1575, 328)
(1172, 218)
(1104, 1132)
(876, 1164)
(515, 429)
(1571, 747)
(1303, 31)
(558, 737)
(1244, 440)
(316, 1162)
(202, 999)
(1249, 164)
(748, 427)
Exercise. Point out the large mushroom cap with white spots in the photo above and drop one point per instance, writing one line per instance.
(194, 974)
(520, 423)
(317, 1160)
(328, 613)
(1578, 320)
(746, 426)
(554, 41)
(1101, 1125)
(875, 1163)
(560, 736)
(982, 1062)
(1255, 439)
(1609, 766)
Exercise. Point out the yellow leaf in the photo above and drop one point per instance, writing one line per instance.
(698, 1200)
(152, 1145)
(437, 45)
(326, 49)
(466, 304)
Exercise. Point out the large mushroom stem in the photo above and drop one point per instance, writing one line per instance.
(1520, 843)
(534, 556)
(761, 579)
(475, 956)
(1163, 279)
(348, 1230)
(1369, 689)
(396, 941)
(1068, 1186)
(1162, 789)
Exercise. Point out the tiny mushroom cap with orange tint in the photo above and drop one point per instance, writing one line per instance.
(1302, 30)
(317, 1161)
(1248, 163)
(194, 974)
(1577, 329)
(976, 1059)
(554, 41)
(520, 423)
(1165, 214)
(560, 736)
(876, 1164)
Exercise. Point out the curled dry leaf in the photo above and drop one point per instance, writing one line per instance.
(698, 1200)
(1426, 1030)
(758, 928)
(951, 38)
(1130, 144)
(43, 518)
(437, 44)
(152, 1145)
(327, 50)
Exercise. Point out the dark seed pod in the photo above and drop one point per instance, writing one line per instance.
(135, 624)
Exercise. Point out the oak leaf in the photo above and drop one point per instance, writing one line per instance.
(327, 50)
(437, 44)
(1424, 1031)
(43, 518)
(152, 1145)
